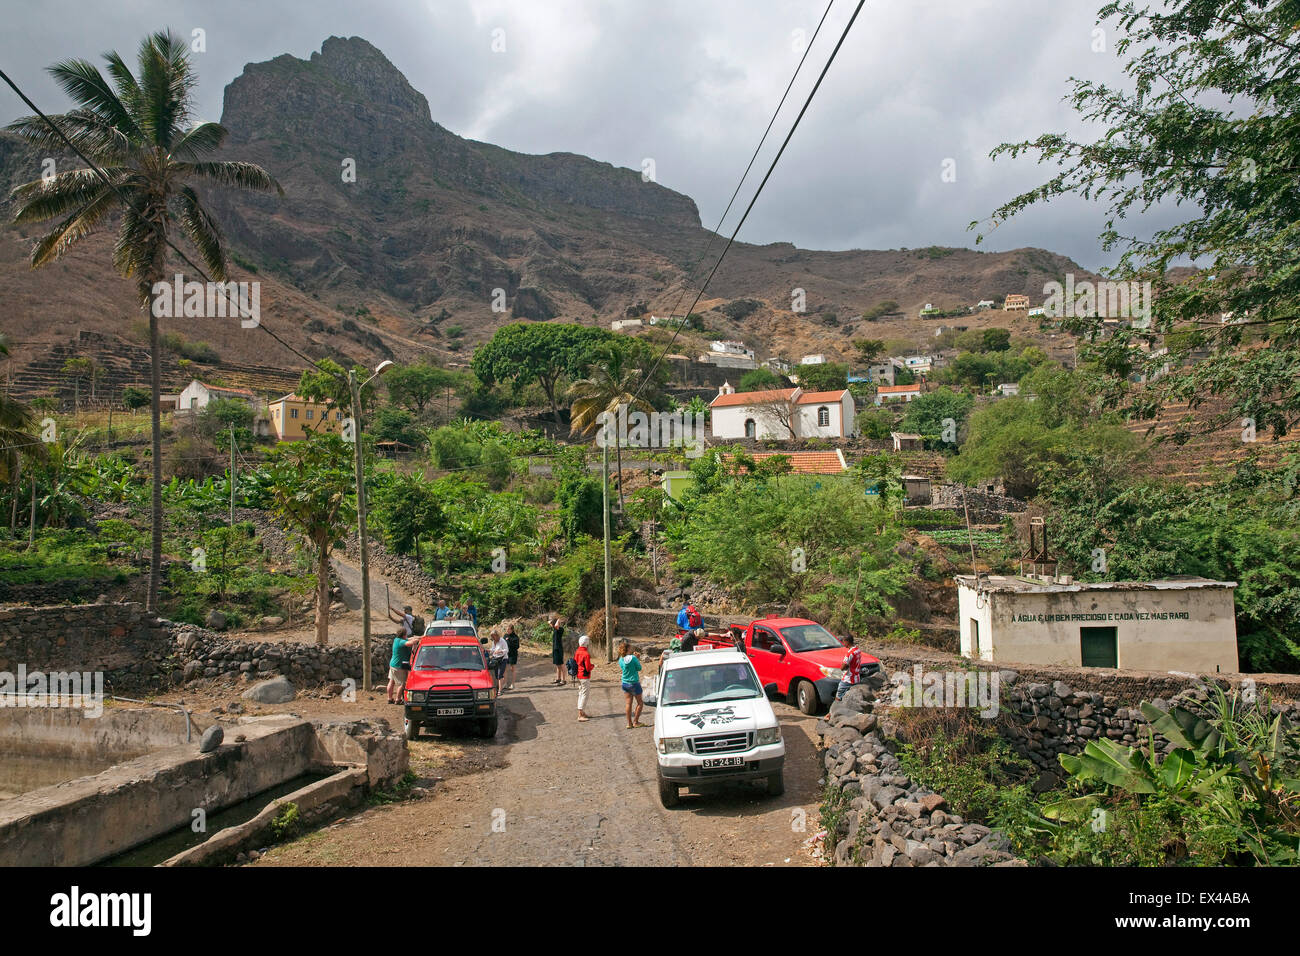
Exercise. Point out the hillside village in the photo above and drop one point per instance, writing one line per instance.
(911, 547)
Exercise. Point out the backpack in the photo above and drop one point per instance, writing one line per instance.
(572, 667)
(417, 625)
(693, 617)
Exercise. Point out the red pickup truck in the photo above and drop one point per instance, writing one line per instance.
(449, 683)
(799, 656)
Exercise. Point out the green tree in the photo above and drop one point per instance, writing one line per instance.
(134, 398)
(610, 385)
(760, 380)
(415, 386)
(826, 377)
(545, 352)
(77, 369)
(138, 131)
(869, 350)
(996, 340)
(1206, 123)
(311, 481)
(926, 415)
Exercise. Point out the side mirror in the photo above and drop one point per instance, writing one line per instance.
(779, 650)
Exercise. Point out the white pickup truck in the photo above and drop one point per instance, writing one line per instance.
(713, 724)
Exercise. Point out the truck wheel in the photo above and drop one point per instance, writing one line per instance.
(775, 784)
(806, 697)
(412, 729)
(487, 727)
(668, 793)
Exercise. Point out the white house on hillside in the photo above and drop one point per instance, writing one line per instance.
(196, 396)
(782, 413)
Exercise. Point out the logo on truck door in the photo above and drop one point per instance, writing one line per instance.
(714, 715)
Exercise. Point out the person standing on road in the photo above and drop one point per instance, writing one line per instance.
(399, 665)
(557, 648)
(500, 654)
(629, 665)
(512, 653)
(585, 667)
(851, 667)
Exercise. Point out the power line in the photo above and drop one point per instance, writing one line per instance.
(770, 170)
(127, 202)
(775, 113)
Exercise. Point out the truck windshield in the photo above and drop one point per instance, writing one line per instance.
(695, 685)
(808, 637)
(449, 657)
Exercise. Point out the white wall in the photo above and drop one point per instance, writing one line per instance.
(1192, 629)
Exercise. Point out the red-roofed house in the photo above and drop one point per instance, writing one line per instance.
(782, 413)
(809, 462)
(897, 393)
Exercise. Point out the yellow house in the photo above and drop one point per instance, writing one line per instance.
(294, 417)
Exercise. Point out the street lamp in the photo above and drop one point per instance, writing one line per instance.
(355, 389)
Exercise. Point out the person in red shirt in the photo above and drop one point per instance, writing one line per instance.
(852, 666)
(585, 666)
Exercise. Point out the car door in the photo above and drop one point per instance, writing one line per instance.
(770, 665)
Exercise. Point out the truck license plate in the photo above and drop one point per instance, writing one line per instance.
(711, 762)
(451, 711)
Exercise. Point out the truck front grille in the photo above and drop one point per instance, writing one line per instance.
(451, 696)
(713, 744)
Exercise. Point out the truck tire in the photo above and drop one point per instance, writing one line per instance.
(668, 793)
(806, 697)
(412, 729)
(487, 728)
(775, 784)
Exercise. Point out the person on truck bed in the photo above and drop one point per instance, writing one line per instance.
(852, 666)
(692, 639)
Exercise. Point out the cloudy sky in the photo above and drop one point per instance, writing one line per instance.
(920, 86)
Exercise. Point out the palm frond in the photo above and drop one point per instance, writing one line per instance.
(203, 231)
(96, 139)
(40, 200)
(56, 242)
(166, 82)
(128, 90)
(231, 173)
(200, 139)
(86, 86)
(137, 243)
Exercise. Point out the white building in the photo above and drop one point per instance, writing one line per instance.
(1007, 389)
(813, 360)
(921, 364)
(1185, 623)
(897, 393)
(984, 304)
(196, 396)
(626, 325)
(782, 413)
(731, 347)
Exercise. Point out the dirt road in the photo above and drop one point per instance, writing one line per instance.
(559, 792)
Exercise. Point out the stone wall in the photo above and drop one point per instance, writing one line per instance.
(141, 653)
(891, 820)
(399, 568)
(985, 508)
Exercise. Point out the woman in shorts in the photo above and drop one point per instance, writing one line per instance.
(629, 665)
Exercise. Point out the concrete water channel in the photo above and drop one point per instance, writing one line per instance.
(77, 790)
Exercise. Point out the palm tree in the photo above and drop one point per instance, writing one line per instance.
(138, 131)
(609, 384)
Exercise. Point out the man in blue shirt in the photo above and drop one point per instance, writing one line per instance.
(442, 612)
(683, 618)
(472, 611)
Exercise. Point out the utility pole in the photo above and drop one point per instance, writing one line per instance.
(361, 530)
(604, 501)
(232, 476)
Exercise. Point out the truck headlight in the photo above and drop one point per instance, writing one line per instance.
(483, 694)
(769, 735)
(672, 745)
(830, 671)
(417, 696)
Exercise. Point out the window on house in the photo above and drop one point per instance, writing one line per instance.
(293, 413)
(751, 430)
(338, 416)
(974, 638)
(310, 414)
(823, 417)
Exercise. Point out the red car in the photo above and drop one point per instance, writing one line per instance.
(799, 656)
(449, 683)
